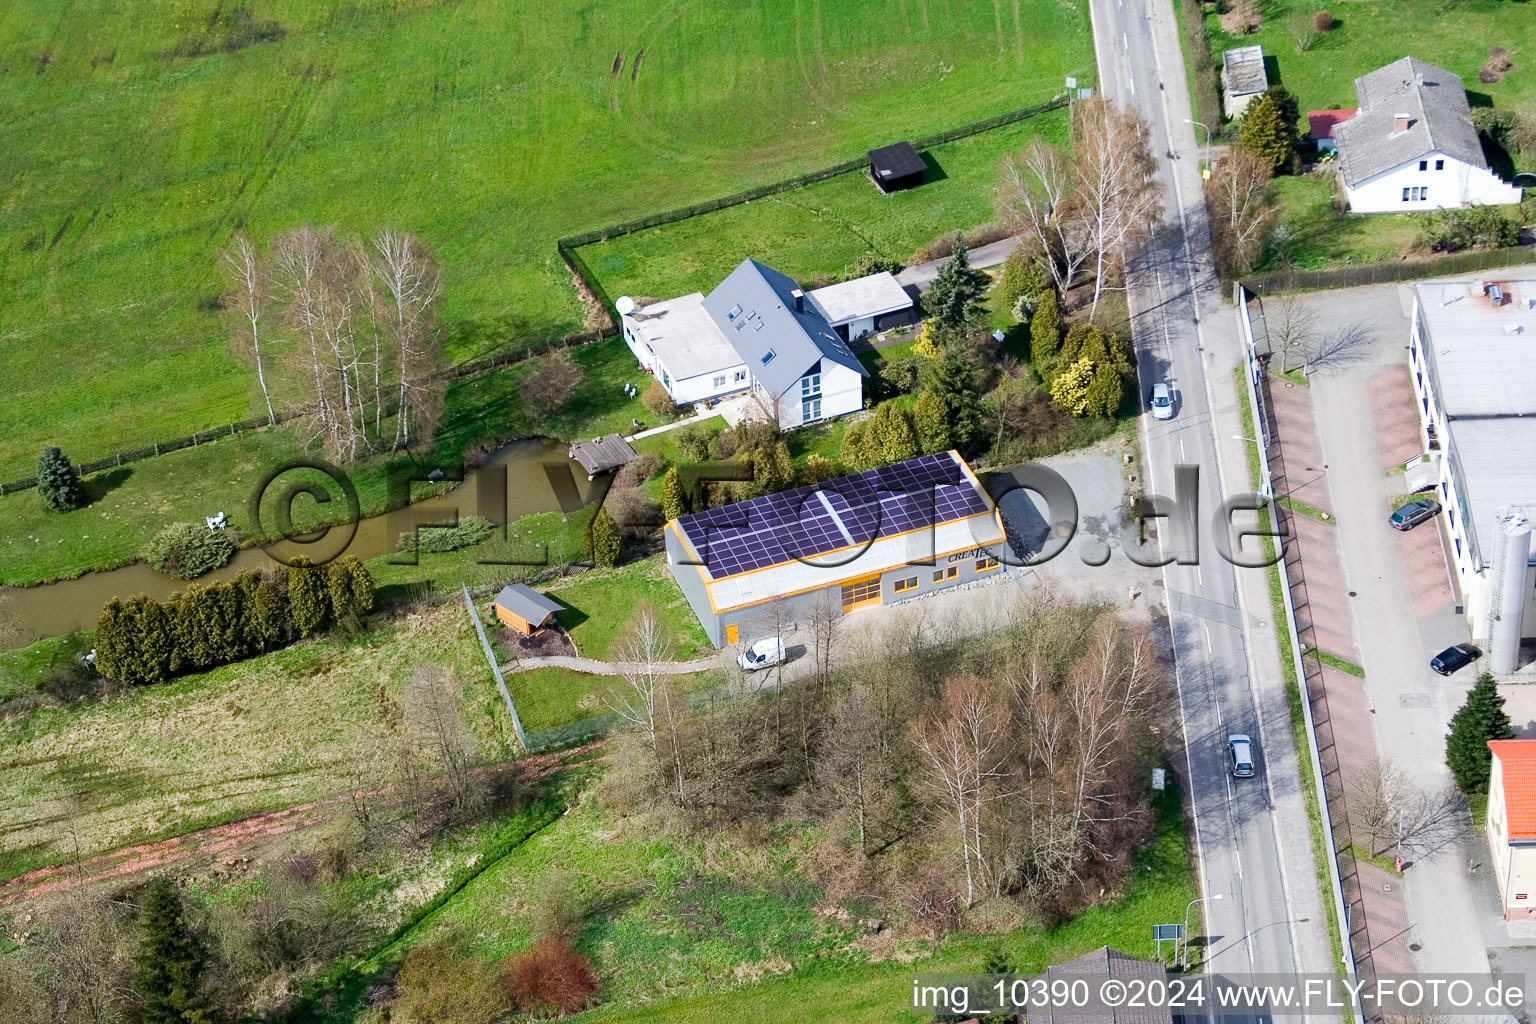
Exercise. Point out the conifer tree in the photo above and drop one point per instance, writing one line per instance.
(1265, 133)
(931, 419)
(58, 484)
(1045, 329)
(674, 502)
(955, 295)
(170, 961)
(308, 600)
(893, 434)
(607, 542)
(1481, 718)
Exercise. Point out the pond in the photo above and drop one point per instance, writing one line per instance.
(520, 479)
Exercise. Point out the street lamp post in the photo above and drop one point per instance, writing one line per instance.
(1202, 899)
(1202, 124)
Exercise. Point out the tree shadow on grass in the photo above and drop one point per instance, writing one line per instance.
(101, 484)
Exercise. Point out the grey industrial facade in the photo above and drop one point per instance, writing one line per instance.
(875, 538)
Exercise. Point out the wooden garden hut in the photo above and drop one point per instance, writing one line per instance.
(524, 608)
(896, 167)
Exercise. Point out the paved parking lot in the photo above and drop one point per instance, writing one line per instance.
(1390, 597)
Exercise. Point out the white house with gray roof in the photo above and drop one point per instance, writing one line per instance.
(756, 331)
(1412, 145)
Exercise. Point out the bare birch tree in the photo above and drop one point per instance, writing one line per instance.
(646, 701)
(1242, 205)
(1114, 169)
(413, 283)
(1292, 330)
(1037, 192)
(242, 267)
(432, 709)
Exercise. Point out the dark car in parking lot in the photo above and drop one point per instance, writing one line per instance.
(1414, 513)
(1453, 658)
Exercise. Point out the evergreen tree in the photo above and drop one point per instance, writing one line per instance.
(893, 435)
(308, 600)
(154, 639)
(931, 419)
(114, 642)
(1480, 719)
(925, 345)
(953, 380)
(1106, 390)
(360, 580)
(861, 450)
(1069, 388)
(607, 542)
(1020, 276)
(1265, 133)
(58, 484)
(674, 502)
(269, 624)
(1290, 109)
(169, 965)
(954, 298)
(1045, 329)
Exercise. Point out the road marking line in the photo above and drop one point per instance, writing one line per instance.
(1181, 447)
(1125, 42)
(1208, 640)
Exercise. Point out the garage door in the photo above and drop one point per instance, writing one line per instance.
(861, 593)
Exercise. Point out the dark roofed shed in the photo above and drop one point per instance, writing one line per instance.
(524, 608)
(896, 167)
(601, 454)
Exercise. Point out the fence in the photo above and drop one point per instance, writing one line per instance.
(490, 656)
(1380, 273)
(567, 248)
(459, 372)
(1341, 868)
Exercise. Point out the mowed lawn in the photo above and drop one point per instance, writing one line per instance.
(489, 129)
(270, 732)
(820, 229)
(1456, 36)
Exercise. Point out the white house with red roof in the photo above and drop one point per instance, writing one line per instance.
(1511, 825)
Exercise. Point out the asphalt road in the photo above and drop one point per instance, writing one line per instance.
(1174, 289)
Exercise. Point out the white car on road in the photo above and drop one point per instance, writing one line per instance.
(1162, 401)
(762, 654)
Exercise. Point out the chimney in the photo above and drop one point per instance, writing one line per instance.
(1399, 124)
(797, 300)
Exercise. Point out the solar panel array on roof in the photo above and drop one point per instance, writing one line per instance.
(800, 525)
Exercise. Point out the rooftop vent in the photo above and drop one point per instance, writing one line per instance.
(797, 300)
(1495, 295)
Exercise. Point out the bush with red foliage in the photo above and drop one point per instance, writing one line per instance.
(549, 978)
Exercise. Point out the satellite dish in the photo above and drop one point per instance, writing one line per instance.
(625, 305)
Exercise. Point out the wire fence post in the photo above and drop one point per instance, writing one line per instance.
(490, 656)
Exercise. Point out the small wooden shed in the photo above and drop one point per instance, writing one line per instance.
(896, 167)
(524, 608)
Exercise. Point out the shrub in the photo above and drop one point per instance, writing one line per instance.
(926, 345)
(892, 436)
(435, 540)
(550, 384)
(1476, 227)
(931, 420)
(860, 448)
(442, 982)
(187, 550)
(658, 401)
(985, 234)
(899, 375)
(308, 601)
(58, 484)
(549, 978)
(1024, 307)
(1323, 21)
(1021, 276)
(819, 469)
(638, 470)
(1069, 390)
(693, 441)
(871, 262)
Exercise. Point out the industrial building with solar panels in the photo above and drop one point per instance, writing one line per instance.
(868, 539)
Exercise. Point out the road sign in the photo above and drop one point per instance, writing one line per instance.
(1071, 82)
(1167, 931)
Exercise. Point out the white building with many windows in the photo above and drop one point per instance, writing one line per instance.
(759, 332)
(1474, 378)
(1412, 145)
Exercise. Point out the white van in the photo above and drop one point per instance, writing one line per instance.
(763, 654)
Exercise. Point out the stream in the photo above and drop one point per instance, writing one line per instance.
(538, 477)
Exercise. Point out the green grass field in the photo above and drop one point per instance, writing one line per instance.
(820, 229)
(1456, 36)
(270, 732)
(1308, 234)
(487, 129)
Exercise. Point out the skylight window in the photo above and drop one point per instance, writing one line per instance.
(768, 356)
(734, 313)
